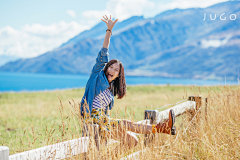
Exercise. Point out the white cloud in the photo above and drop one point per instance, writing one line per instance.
(71, 13)
(183, 4)
(214, 42)
(196, 3)
(33, 40)
(92, 17)
(121, 9)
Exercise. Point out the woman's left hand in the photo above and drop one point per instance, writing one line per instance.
(109, 22)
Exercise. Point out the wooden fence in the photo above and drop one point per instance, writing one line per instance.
(74, 147)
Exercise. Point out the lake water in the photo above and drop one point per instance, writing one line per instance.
(39, 82)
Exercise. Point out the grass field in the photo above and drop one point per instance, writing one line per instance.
(36, 119)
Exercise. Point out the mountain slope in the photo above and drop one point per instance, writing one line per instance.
(175, 43)
(194, 60)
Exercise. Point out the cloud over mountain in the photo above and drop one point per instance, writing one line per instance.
(33, 40)
(176, 43)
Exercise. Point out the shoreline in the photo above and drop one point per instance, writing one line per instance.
(31, 83)
(132, 85)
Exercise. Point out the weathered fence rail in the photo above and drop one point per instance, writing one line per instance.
(60, 150)
(155, 116)
(74, 147)
(4, 153)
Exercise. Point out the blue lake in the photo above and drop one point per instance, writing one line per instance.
(38, 82)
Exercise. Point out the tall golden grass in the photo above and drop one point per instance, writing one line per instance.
(212, 136)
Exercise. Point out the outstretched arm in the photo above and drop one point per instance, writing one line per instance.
(103, 55)
(110, 25)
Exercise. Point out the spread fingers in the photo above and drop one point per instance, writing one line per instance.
(105, 18)
(104, 21)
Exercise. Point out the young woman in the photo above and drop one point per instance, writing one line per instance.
(106, 81)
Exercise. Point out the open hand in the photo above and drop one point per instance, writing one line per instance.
(109, 22)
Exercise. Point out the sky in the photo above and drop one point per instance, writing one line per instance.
(31, 27)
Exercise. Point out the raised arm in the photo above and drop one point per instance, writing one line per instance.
(103, 55)
(110, 25)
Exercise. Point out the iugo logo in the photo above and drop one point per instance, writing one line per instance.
(222, 17)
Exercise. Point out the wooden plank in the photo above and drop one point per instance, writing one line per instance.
(178, 110)
(60, 150)
(155, 116)
(4, 153)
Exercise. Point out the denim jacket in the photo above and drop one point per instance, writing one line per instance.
(97, 82)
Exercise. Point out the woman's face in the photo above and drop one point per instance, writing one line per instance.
(112, 72)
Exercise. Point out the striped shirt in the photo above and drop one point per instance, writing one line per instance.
(102, 100)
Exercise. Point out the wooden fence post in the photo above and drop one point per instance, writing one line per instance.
(206, 103)
(4, 153)
(151, 115)
(228, 100)
(198, 100)
(92, 130)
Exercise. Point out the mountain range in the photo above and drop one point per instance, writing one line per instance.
(177, 43)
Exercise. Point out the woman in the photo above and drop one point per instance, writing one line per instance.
(105, 82)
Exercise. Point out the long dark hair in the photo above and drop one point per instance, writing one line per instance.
(119, 83)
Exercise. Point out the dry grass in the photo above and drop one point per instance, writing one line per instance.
(212, 136)
(32, 120)
(217, 137)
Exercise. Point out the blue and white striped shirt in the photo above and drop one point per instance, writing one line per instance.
(102, 100)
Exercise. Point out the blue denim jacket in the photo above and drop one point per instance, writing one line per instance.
(97, 82)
